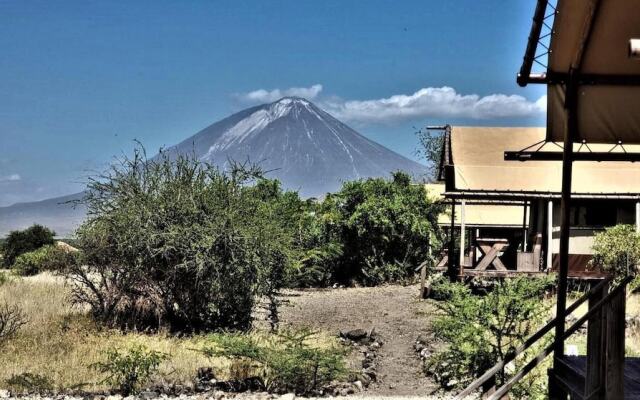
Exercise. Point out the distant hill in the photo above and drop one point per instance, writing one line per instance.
(55, 213)
(297, 142)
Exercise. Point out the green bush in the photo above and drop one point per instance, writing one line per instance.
(181, 244)
(381, 226)
(129, 369)
(46, 258)
(4, 278)
(285, 361)
(478, 331)
(20, 242)
(617, 250)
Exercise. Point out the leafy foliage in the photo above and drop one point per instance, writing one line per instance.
(180, 243)
(430, 149)
(381, 228)
(285, 361)
(617, 250)
(129, 369)
(4, 278)
(46, 258)
(20, 242)
(481, 330)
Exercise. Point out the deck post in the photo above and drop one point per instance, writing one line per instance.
(596, 351)
(571, 127)
(463, 237)
(524, 227)
(451, 263)
(424, 288)
(549, 234)
(615, 325)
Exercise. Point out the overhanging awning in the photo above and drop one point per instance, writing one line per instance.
(608, 79)
(506, 195)
(479, 164)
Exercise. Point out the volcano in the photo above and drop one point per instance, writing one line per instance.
(298, 143)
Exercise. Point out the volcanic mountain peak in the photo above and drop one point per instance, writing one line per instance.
(259, 119)
(304, 147)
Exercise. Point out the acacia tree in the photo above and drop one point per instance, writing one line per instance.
(179, 243)
(430, 149)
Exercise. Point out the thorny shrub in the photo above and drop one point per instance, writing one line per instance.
(286, 361)
(128, 369)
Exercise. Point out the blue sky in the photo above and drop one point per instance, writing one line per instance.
(79, 80)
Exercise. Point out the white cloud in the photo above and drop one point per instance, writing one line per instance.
(433, 102)
(268, 96)
(10, 178)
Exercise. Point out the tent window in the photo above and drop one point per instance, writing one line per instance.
(594, 214)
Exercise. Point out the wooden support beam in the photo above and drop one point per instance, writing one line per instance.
(523, 156)
(463, 239)
(451, 264)
(524, 227)
(596, 351)
(565, 224)
(549, 234)
(615, 325)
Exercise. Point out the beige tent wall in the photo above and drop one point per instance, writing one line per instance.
(478, 215)
(478, 158)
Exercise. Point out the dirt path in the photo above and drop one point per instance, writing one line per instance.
(395, 313)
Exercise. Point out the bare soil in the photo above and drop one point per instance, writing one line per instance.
(394, 311)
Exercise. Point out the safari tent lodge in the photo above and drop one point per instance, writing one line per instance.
(506, 214)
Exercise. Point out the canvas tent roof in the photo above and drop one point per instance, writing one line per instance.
(479, 165)
(477, 214)
(606, 113)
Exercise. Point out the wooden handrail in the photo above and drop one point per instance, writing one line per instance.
(504, 389)
(528, 343)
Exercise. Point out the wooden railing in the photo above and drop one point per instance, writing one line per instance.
(506, 387)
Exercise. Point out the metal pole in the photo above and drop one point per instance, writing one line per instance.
(550, 234)
(532, 43)
(524, 228)
(565, 209)
(451, 264)
(463, 234)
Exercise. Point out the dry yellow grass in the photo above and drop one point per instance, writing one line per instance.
(61, 342)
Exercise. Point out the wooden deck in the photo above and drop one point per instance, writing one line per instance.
(572, 376)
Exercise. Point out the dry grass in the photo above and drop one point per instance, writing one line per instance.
(61, 342)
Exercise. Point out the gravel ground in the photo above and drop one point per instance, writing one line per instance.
(396, 314)
(218, 396)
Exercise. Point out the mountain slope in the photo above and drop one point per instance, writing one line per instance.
(56, 213)
(292, 139)
(302, 145)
